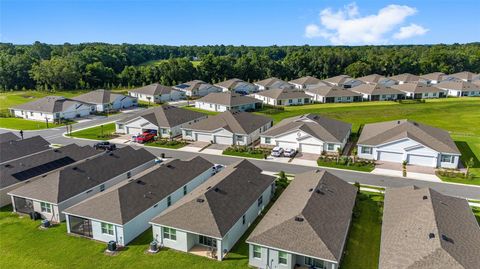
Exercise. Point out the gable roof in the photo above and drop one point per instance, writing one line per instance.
(166, 116)
(194, 85)
(8, 136)
(406, 77)
(13, 149)
(373, 78)
(100, 96)
(320, 127)
(153, 89)
(228, 99)
(49, 104)
(274, 82)
(233, 121)
(25, 168)
(458, 85)
(339, 80)
(375, 89)
(332, 91)
(424, 229)
(58, 186)
(127, 200)
(217, 204)
(416, 87)
(438, 76)
(230, 84)
(388, 131)
(311, 217)
(465, 75)
(307, 80)
(284, 94)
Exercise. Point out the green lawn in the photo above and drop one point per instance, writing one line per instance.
(166, 145)
(243, 154)
(22, 124)
(476, 212)
(363, 244)
(210, 113)
(365, 168)
(96, 132)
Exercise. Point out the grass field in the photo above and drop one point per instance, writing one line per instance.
(96, 132)
(366, 168)
(22, 124)
(243, 154)
(166, 145)
(210, 113)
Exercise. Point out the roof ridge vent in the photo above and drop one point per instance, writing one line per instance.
(200, 200)
(299, 219)
(431, 235)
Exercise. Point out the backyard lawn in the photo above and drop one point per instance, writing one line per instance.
(97, 133)
(22, 124)
(210, 113)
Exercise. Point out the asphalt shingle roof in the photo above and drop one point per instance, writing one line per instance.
(307, 80)
(375, 89)
(416, 87)
(49, 104)
(406, 77)
(166, 116)
(8, 136)
(228, 99)
(100, 96)
(274, 82)
(13, 149)
(332, 91)
(154, 89)
(233, 121)
(458, 85)
(284, 94)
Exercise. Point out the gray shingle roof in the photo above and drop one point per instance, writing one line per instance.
(217, 204)
(233, 121)
(58, 186)
(424, 229)
(284, 94)
(8, 136)
(323, 128)
(49, 104)
(324, 217)
(22, 169)
(125, 201)
(100, 96)
(307, 80)
(228, 99)
(406, 77)
(459, 85)
(375, 89)
(166, 116)
(154, 89)
(416, 87)
(274, 82)
(229, 84)
(373, 78)
(195, 84)
(339, 80)
(438, 76)
(379, 133)
(332, 91)
(466, 75)
(13, 149)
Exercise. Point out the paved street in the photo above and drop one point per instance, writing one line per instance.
(471, 192)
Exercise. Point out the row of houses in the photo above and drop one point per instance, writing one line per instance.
(195, 208)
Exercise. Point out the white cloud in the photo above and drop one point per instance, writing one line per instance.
(410, 31)
(347, 27)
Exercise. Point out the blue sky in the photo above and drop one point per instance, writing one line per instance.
(248, 22)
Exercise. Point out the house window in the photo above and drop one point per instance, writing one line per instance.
(185, 190)
(107, 228)
(211, 105)
(282, 257)
(207, 241)
(243, 219)
(102, 187)
(45, 207)
(169, 201)
(129, 174)
(169, 233)
(384, 96)
(260, 201)
(330, 147)
(164, 131)
(306, 100)
(366, 150)
(188, 132)
(31, 113)
(239, 138)
(348, 98)
(267, 140)
(314, 262)
(299, 100)
(447, 159)
(290, 101)
(120, 126)
(257, 252)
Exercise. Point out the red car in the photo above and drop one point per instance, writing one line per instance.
(145, 137)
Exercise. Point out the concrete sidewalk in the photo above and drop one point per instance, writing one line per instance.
(411, 175)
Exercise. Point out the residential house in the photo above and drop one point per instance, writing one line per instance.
(343, 81)
(212, 218)
(123, 212)
(422, 228)
(310, 133)
(377, 79)
(407, 78)
(459, 88)
(333, 94)
(272, 83)
(8, 136)
(434, 78)
(52, 108)
(228, 128)
(197, 88)
(307, 82)
(223, 101)
(377, 92)
(56, 191)
(237, 85)
(283, 97)
(466, 76)
(165, 120)
(404, 140)
(308, 225)
(17, 172)
(156, 93)
(105, 100)
(13, 149)
(419, 90)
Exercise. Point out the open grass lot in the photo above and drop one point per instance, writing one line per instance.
(96, 132)
(363, 244)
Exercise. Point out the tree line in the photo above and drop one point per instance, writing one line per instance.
(99, 65)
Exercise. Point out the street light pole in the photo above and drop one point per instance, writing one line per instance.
(46, 120)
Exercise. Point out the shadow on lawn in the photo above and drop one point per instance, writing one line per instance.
(467, 153)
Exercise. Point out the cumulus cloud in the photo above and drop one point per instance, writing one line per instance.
(410, 31)
(347, 27)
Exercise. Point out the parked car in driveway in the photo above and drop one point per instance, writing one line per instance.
(277, 152)
(289, 152)
(105, 145)
(145, 137)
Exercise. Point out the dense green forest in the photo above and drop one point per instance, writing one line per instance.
(93, 65)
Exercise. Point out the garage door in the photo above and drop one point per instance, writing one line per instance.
(285, 145)
(133, 130)
(421, 160)
(390, 156)
(307, 148)
(223, 140)
(203, 137)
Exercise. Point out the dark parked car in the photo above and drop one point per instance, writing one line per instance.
(105, 146)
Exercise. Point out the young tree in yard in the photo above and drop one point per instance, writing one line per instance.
(469, 164)
(282, 180)
(339, 153)
(354, 153)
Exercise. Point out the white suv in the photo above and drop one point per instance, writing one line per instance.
(277, 152)
(289, 152)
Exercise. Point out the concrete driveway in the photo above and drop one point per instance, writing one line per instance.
(215, 149)
(410, 168)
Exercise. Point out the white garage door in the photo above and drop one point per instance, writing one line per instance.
(285, 145)
(203, 137)
(390, 156)
(307, 148)
(133, 130)
(223, 140)
(421, 160)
